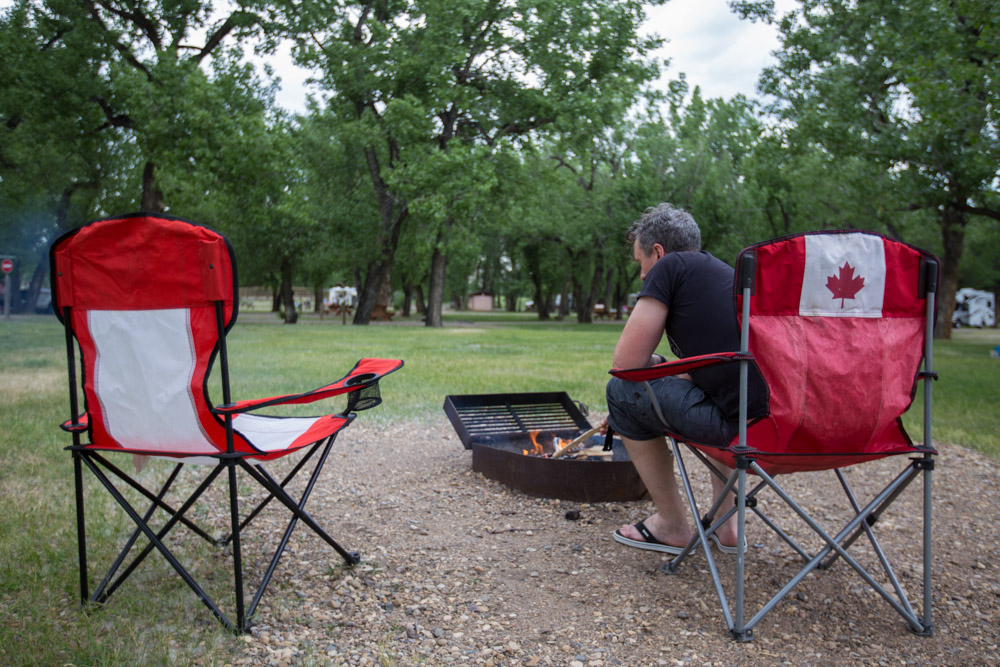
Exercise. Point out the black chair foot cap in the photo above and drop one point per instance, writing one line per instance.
(668, 568)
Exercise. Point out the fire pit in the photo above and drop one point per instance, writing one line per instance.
(512, 438)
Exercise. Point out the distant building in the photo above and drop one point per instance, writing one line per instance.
(481, 302)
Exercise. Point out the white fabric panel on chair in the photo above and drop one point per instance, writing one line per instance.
(145, 360)
(272, 433)
(844, 276)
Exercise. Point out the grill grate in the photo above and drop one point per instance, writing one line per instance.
(496, 427)
(482, 418)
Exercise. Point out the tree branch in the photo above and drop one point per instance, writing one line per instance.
(221, 32)
(358, 33)
(54, 39)
(121, 48)
(978, 210)
(563, 163)
(134, 17)
(113, 119)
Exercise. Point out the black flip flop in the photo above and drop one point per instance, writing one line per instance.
(650, 543)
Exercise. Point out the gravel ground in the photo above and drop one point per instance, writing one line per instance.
(458, 569)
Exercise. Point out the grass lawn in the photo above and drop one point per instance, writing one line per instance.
(40, 620)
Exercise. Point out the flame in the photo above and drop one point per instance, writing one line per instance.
(537, 449)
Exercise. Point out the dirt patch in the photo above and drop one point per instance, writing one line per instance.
(460, 570)
(31, 382)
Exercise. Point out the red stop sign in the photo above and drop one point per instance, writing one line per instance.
(7, 265)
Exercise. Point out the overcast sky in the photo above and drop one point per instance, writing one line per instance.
(719, 52)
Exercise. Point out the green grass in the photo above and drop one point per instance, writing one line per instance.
(967, 395)
(40, 618)
(461, 358)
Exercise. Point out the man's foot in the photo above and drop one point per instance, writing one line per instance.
(725, 548)
(641, 536)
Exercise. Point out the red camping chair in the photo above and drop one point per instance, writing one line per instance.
(149, 300)
(837, 323)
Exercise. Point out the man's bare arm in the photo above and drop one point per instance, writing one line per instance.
(642, 333)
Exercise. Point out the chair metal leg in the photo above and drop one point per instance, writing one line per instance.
(272, 487)
(671, 567)
(156, 542)
(927, 464)
(264, 503)
(739, 632)
(834, 543)
(866, 527)
(291, 526)
(174, 518)
(120, 474)
(99, 593)
(81, 528)
(234, 513)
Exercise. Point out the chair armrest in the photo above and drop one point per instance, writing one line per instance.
(81, 425)
(364, 374)
(679, 366)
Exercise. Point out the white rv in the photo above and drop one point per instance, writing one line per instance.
(974, 308)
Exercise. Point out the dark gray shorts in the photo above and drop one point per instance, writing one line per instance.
(689, 412)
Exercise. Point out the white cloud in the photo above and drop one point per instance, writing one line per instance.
(718, 51)
(294, 87)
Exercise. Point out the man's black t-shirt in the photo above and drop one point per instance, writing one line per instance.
(697, 290)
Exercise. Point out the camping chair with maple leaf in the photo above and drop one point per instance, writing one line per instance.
(838, 324)
(149, 300)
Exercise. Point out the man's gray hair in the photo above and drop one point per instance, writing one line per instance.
(672, 228)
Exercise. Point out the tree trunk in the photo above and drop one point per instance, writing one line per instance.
(276, 299)
(407, 298)
(368, 294)
(585, 300)
(952, 224)
(287, 292)
(511, 301)
(13, 300)
(152, 197)
(392, 211)
(564, 300)
(439, 263)
(384, 298)
(317, 298)
(996, 304)
(545, 307)
(35, 286)
(421, 301)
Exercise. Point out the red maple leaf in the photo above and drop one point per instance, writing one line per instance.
(845, 285)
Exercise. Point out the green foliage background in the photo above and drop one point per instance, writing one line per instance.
(457, 147)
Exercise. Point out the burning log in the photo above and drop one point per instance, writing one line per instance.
(591, 452)
(576, 442)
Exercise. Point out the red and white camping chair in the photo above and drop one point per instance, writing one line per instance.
(838, 324)
(148, 299)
